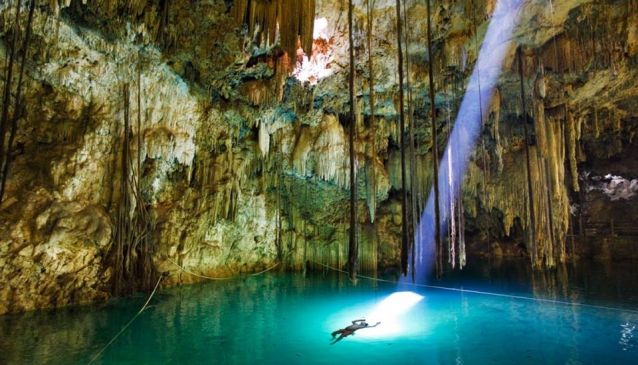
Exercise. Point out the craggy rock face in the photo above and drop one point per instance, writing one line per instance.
(241, 165)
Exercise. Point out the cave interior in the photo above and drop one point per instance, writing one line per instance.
(254, 181)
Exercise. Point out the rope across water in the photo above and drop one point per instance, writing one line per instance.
(461, 290)
(153, 293)
(129, 322)
(220, 278)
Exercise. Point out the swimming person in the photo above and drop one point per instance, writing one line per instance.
(345, 332)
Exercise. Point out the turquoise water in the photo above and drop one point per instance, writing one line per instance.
(287, 319)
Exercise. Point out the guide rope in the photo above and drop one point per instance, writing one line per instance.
(470, 291)
(221, 278)
(153, 293)
(129, 322)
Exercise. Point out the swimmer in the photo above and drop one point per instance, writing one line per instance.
(345, 332)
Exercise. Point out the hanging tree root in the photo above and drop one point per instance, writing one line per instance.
(404, 197)
(133, 247)
(352, 246)
(372, 190)
(435, 149)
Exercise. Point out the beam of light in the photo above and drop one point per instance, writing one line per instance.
(392, 313)
(467, 127)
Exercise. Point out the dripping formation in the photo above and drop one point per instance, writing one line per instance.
(7, 121)
(225, 164)
(289, 22)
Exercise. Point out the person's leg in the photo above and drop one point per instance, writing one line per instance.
(341, 336)
(336, 332)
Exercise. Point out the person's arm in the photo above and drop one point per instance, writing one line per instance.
(378, 323)
(358, 320)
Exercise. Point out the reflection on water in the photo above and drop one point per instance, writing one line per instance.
(583, 281)
(287, 319)
(627, 336)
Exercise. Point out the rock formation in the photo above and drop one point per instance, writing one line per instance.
(240, 166)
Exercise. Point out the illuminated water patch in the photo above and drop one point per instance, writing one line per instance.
(392, 312)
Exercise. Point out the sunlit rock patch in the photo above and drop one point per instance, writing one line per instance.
(614, 187)
(318, 66)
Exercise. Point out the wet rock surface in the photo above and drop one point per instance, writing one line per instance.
(241, 166)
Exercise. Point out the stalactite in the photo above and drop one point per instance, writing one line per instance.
(353, 246)
(572, 146)
(452, 199)
(461, 224)
(484, 152)
(331, 145)
(292, 22)
(264, 138)
(549, 166)
(278, 187)
(372, 182)
(305, 243)
(460, 214)
(163, 32)
(530, 193)
(6, 96)
(551, 242)
(404, 185)
(414, 187)
(435, 152)
(17, 109)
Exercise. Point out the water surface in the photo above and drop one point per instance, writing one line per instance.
(287, 319)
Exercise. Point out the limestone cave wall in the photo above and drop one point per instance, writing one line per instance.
(240, 166)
